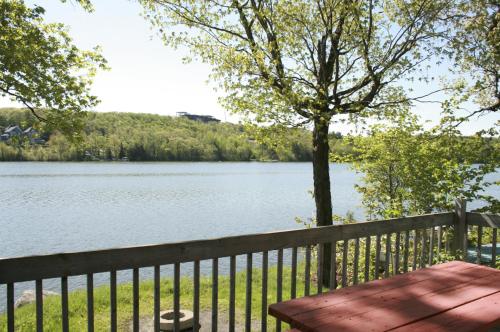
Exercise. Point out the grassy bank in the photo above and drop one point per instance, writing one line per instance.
(25, 316)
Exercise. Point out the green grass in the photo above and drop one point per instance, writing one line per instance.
(25, 316)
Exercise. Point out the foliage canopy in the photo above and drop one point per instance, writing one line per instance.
(42, 69)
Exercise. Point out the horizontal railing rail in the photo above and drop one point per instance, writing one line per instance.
(355, 253)
(483, 219)
(79, 263)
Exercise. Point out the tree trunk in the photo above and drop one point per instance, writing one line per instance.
(322, 194)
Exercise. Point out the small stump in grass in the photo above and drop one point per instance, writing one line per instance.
(167, 320)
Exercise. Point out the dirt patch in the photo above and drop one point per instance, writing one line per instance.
(146, 323)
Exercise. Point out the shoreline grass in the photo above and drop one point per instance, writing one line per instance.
(25, 315)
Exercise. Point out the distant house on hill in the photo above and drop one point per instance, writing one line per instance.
(196, 117)
(16, 131)
(13, 131)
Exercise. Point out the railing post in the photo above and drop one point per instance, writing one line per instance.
(460, 227)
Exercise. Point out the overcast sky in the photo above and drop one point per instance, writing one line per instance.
(148, 77)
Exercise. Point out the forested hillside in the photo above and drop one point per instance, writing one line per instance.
(150, 137)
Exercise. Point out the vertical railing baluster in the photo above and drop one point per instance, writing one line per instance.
(90, 302)
(422, 248)
(307, 272)
(10, 307)
(494, 248)
(232, 293)
(439, 243)
(112, 301)
(39, 305)
(135, 296)
(345, 250)
(479, 244)
(396, 253)
(279, 285)
(293, 286)
(415, 250)
(406, 252)
(387, 266)
(333, 265)
(157, 299)
(431, 247)
(356, 262)
(368, 247)
(377, 256)
(215, 293)
(263, 316)
(196, 295)
(248, 299)
(319, 269)
(64, 304)
(177, 296)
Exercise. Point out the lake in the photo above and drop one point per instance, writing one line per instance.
(56, 207)
(60, 207)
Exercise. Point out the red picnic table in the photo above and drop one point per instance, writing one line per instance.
(454, 296)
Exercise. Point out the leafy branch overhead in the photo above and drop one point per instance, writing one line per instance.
(42, 69)
(312, 58)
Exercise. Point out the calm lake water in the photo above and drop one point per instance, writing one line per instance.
(56, 207)
(60, 207)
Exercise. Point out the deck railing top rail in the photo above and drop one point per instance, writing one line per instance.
(483, 219)
(79, 263)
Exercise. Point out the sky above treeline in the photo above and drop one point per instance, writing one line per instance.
(148, 77)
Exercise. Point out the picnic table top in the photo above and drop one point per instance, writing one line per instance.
(454, 296)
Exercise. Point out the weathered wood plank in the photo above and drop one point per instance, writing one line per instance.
(400, 310)
(279, 284)
(422, 248)
(307, 306)
(431, 246)
(248, 298)
(483, 219)
(319, 269)
(345, 251)
(39, 305)
(307, 272)
(135, 299)
(64, 304)
(196, 295)
(397, 253)
(356, 262)
(232, 293)
(177, 296)
(460, 226)
(377, 256)
(387, 266)
(367, 258)
(263, 316)
(333, 265)
(479, 244)
(215, 293)
(10, 307)
(90, 302)
(415, 249)
(157, 299)
(494, 248)
(439, 242)
(407, 251)
(68, 264)
(293, 286)
(479, 315)
(112, 301)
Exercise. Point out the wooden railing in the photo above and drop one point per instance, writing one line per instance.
(359, 253)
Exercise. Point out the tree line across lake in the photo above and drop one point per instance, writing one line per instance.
(150, 137)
